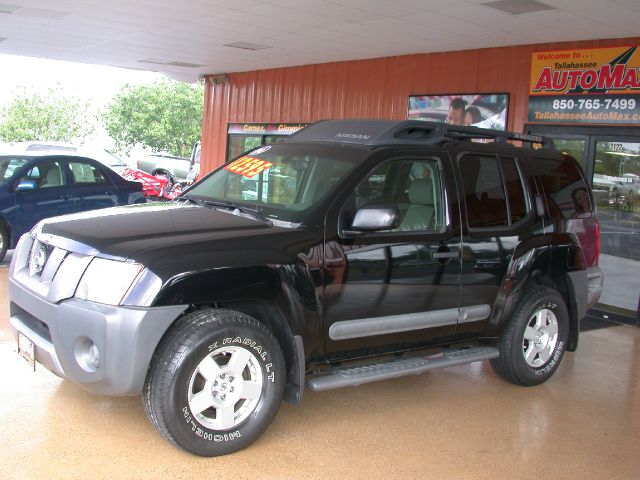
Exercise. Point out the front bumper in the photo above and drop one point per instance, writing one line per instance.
(65, 329)
(126, 338)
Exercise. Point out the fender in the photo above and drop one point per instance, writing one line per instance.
(281, 296)
(555, 260)
(288, 287)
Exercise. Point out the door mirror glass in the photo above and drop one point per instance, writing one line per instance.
(25, 185)
(372, 218)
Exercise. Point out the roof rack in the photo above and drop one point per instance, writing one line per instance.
(386, 132)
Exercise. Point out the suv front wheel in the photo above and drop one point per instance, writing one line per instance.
(215, 382)
(534, 342)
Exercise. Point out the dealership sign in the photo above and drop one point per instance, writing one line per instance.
(597, 85)
(265, 128)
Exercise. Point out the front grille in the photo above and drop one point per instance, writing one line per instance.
(50, 271)
(45, 260)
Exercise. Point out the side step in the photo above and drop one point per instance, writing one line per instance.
(354, 376)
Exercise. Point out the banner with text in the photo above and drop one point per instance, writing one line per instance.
(591, 86)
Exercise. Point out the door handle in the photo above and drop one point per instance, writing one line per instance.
(66, 196)
(441, 255)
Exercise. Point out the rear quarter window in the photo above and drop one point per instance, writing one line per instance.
(565, 189)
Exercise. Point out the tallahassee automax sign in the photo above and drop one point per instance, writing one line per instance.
(597, 85)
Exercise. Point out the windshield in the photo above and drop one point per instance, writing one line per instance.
(283, 181)
(8, 165)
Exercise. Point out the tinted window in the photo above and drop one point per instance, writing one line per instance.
(483, 191)
(493, 190)
(515, 190)
(564, 187)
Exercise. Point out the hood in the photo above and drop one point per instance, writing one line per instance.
(153, 232)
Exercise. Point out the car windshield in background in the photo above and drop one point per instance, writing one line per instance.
(103, 156)
(283, 182)
(8, 165)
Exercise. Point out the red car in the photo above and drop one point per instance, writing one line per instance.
(152, 186)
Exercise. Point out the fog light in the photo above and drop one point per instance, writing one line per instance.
(87, 354)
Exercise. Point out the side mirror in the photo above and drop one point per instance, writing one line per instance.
(25, 185)
(374, 218)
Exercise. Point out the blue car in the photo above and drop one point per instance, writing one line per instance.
(36, 186)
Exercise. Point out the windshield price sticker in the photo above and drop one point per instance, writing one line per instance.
(248, 166)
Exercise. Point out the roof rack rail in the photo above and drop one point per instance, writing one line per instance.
(386, 132)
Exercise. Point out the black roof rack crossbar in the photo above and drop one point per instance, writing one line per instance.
(386, 132)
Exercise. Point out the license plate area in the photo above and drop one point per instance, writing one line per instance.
(26, 350)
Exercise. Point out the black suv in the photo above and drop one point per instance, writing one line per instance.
(353, 252)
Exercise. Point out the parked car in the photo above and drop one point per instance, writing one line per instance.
(39, 186)
(193, 175)
(354, 251)
(152, 186)
(172, 168)
(194, 163)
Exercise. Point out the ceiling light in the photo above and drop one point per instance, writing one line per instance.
(172, 63)
(247, 46)
(155, 61)
(185, 64)
(518, 7)
(9, 8)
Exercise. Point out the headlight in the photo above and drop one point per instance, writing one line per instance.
(107, 281)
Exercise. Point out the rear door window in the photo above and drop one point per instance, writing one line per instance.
(86, 174)
(493, 191)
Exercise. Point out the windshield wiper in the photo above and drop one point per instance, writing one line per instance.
(186, 198)
(253, 213)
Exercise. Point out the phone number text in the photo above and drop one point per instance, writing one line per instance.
(595, 104)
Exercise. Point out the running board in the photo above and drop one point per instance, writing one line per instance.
(354, 376)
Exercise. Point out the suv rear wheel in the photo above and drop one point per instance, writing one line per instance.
(215, 382)
(534, 342)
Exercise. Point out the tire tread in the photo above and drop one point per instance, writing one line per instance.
(504, 366)
(185, 331)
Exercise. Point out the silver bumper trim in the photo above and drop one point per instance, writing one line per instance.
(125, 336)
(44, 352)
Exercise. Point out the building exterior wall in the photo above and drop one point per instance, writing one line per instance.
(375, 88)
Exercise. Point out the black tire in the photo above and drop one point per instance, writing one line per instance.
(213, 343)
(531, 361)
(4, 241)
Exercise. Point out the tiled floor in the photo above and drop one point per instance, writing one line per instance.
(457, 423)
